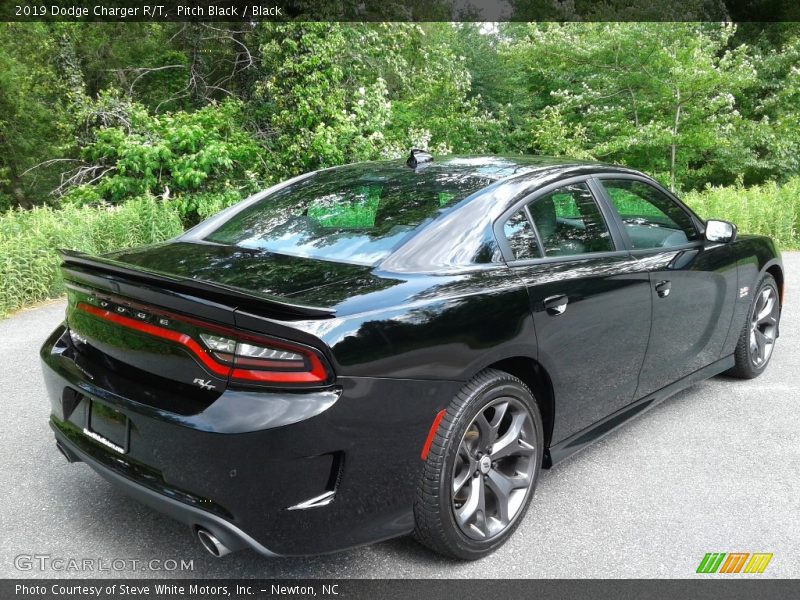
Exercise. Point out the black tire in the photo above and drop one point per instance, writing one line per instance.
(491, 396)
(749, 363)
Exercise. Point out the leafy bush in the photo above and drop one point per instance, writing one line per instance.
(194, 208)
(29, 238)
(167, 154)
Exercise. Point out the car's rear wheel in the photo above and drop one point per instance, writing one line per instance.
(481, 469)
(760, 332)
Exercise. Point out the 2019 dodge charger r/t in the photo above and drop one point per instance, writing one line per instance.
(392, 347)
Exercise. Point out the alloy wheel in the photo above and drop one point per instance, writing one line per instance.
(764, 326)
(494, 469)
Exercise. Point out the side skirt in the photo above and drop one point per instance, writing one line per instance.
(579, 441)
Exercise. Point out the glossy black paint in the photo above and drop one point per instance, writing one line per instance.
(401, 336)
(614, 288)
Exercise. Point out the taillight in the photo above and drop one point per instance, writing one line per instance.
(262, 357)
(265, 361)
(239, 355)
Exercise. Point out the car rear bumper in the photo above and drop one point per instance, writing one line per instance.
(228, 533)
(248, 467)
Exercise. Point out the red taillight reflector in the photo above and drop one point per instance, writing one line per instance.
(316, 374)
(254, 360)
(159, 332)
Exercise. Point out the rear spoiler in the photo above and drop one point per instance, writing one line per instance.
(78, 262)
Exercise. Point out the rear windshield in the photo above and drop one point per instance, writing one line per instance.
(356, 214)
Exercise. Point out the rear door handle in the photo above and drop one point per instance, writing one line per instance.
(556, 305)
(663, 288)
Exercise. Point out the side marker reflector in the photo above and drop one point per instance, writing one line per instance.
(434, 426)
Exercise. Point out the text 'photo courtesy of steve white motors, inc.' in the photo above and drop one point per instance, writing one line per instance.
(107, 589)
(148, 11)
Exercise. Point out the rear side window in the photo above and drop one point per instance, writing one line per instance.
(651, 218)
(568, 222)
(520, 236)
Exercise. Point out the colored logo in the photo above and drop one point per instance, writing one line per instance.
(734, 562)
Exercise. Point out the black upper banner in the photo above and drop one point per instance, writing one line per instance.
(400, 10)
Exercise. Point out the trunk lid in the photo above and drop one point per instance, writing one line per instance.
(163, 314)
(317, 286)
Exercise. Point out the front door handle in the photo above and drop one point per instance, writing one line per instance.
(663, 288)
(556, 305)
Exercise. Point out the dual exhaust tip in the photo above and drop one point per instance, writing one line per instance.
(207, 539)
(217, 549)
(210, 542)
(71, 458)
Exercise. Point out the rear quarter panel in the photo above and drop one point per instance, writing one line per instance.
(444, 327)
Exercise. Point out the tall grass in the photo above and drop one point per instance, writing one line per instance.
(29, 270)
(768, 209)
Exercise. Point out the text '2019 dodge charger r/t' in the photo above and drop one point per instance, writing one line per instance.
(392, 347)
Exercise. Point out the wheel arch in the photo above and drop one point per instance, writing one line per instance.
(533, 375)
(777, 272)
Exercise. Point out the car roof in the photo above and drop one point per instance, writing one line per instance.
(492, 167)
(445, 244)
(483, 187)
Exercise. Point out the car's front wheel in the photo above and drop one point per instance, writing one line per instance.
(481, 469)
(760, 332)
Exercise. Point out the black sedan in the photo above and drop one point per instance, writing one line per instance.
(384, 348)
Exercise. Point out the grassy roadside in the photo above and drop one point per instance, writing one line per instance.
(28, 239)
(29, 270)
(768, 209)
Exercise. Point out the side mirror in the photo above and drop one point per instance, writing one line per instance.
(720, 232)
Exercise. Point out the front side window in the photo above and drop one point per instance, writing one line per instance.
(651, 218)
(568, 222)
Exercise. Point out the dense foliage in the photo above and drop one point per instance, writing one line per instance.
(106, 111)
(112, 120)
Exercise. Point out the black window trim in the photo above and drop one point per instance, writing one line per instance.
(696, 221)
(610, 218)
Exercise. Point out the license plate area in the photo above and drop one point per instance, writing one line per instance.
(108, 426)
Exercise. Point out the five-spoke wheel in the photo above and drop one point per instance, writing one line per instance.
(757, 339)
(493, 468)
(482, 467)
(764, 325)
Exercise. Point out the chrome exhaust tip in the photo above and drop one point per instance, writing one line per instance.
(212, 544)
(71, 458)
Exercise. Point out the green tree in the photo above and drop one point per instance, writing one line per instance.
(84, 105)
(34, 124)
(312, 110)
(333, 93)
(771, 102)
(659, 96)
(136, 153)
